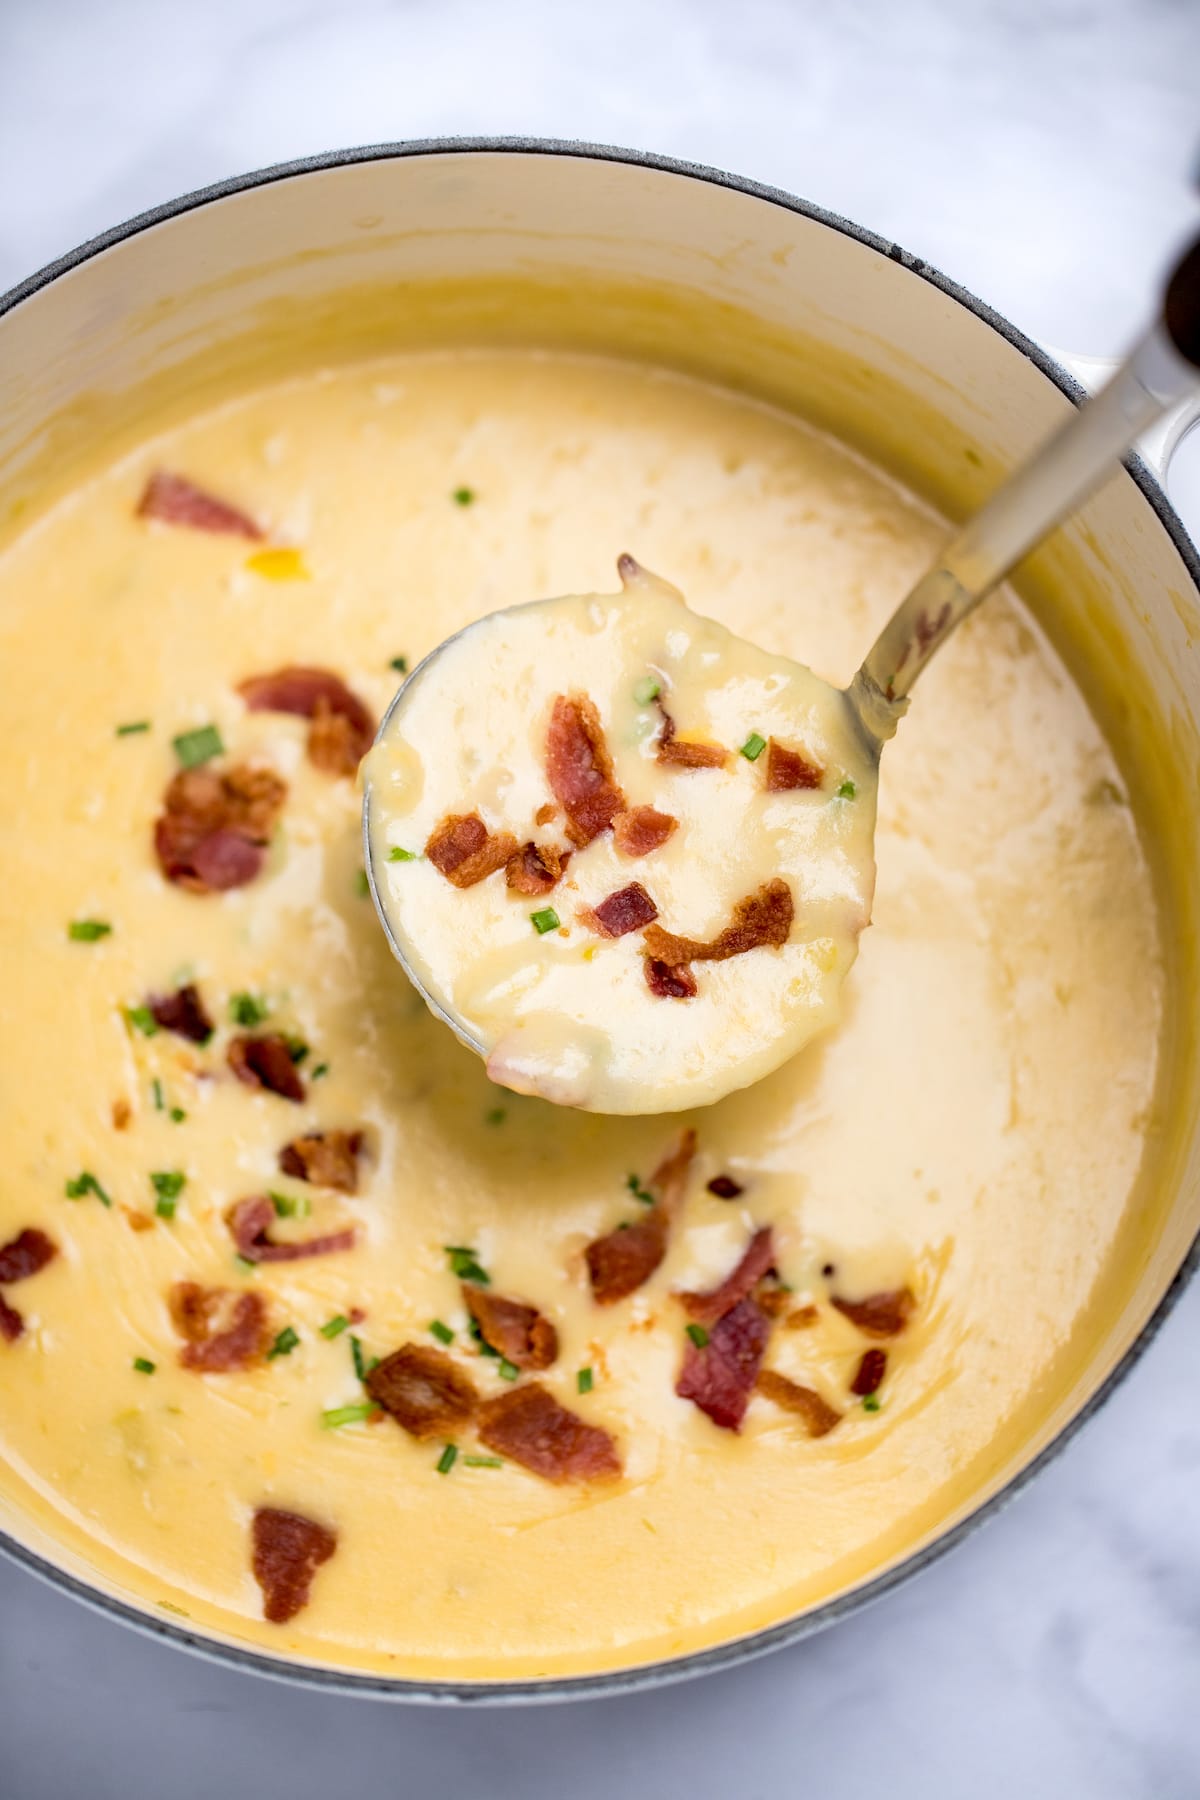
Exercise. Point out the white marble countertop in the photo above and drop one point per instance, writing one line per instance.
(1038, 150)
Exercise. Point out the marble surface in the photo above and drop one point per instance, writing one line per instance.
(1039, 151)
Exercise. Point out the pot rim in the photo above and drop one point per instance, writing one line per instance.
(807, 1624)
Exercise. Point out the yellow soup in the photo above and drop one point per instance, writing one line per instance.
(970, 1131)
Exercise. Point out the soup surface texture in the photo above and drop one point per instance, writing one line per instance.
(183, 851)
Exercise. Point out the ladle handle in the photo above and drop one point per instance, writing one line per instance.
(1162, 369)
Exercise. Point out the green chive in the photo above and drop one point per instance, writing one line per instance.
(321, 1069)
(495, 1115)
(156, 1088)
(447, 1459)
(753, 747)
(698, 1335)
(334, 1327)
(871, 1403)
(297, 1049)
(247, 1009)
(84, 1184)
(400, 664)
(87, 931)
(847, 790)
(143, 1365)
(545, 920)
(177, 1115)
(647, 690)
(245, 1265)
(482, 1462)
(168, 1184)
(638, 1191)
(348, 1415)
(508, 1370)
(398, 854)
(441, 1332)
(290, 1206)
(141, 1019)
(362, 886)
(132, 729)
(463, 496)
(465, 1265)
(284, 1344)
(199, 746)
(585, 1381)
(362, 1364)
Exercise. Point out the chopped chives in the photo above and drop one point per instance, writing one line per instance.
(647, 690)
(168, 1184)
(247, 1009)
(87, 931)
(698, 1335)
(447, 1459)
(177, 1115)
(398, 853)
(143, 1365)
(753, 747)
(400, 664)
(362, 1364)
(585, 1381)
(85, 1183)
(156, 1088)
(509, 1371)
(297, 1049)
(482, 1462)
(140, 1018)
(464, 1264)
(284, 1344)
(441, 1332)
(334, 1327)
(245, 1265)
(133, 728)
(290, 1206)
(545, 920)
(871, 1403)
(847, 791)
(641, 1194)
(495, 1115)
(362, 886)
(348, 1415)
(321, 1069)
(165, 1207)
(463, 496)
(199, 746)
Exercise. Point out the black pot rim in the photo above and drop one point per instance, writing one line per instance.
(791, 1631)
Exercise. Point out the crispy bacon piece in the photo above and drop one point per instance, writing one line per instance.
(545, 813)
(627, 910)
(535, 869)
(801, 1317)
(12, 1324)
(177, 501)
(122, 1113)
(513, 1330)
(669, 983)
(342, 727)
(222, 1329)
(642, 829)
(805, 1402)
(250, 1221)
(725, 1187)
(463, 850)
(682, 753)
(263, 1060)
(868, 1377)
(326, 1158)
(763, 917)
(879, 1315)
(25, 1255)
(719, 1376)
(424, 1391)
(288, 1551)
(757, 1261)
(772, 1298)
(580, 769)
(182, 1012)
(212, 831)
(529, 1425)
(622, 1261)
(788, 769)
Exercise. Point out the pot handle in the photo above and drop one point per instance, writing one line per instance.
(1159, 444)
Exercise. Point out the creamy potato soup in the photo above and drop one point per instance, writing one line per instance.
(318, 1339)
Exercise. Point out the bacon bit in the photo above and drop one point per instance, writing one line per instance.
(535, 868)
(25, 1255)
(122, 1112)
(424, 1391)
(801, 1318)
(580, 769)
(545, 813)
(265, 1061)
(250, 1221)
(757, 1261)
(463, 850)
(288, 1551)
(805, 1402)
(177, 501)
(869, 1376)
(685, 754)
(514, 1330)
(762, 918)
(627, 910)
(342, 727)
(879, 1315)
(12, 1325)
(325, 1158)
(622, 1261)
(669, 983)
(222, 1329)
(787, 769)
(182, 1012)
(772, 1298)
(213, 828)
(719, 1376)
(529, 1425)
(642, 829)
(725, 1187)
(137, 1221)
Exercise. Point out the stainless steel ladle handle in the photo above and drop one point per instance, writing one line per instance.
(1158, 383)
